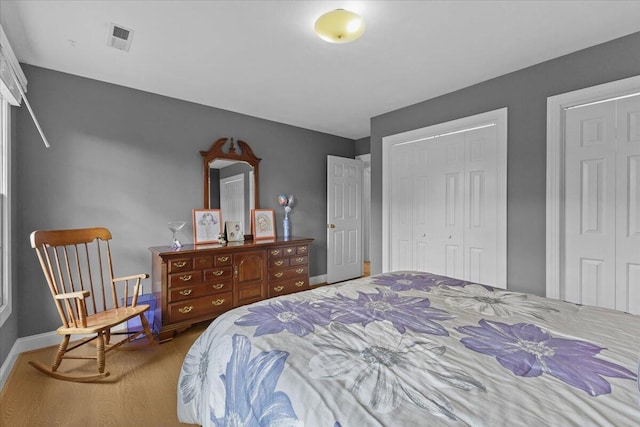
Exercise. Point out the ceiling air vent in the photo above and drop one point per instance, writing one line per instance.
(120, 37)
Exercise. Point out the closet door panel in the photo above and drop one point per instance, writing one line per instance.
(628, 206)
(450, 159)
(481, 215)
(401, 221)
(425, 258)
(590, 205)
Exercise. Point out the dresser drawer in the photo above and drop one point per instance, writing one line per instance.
(199, 290)
(298, 260)
(198, 307)
(288, 286)
(216, 274)
(278, 262)
(289, 273)
(222, 260)
(302, 249)
(282, 252)
(188, 278)
(201, 262)
(177, 265)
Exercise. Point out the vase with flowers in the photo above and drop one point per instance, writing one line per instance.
(287, 203)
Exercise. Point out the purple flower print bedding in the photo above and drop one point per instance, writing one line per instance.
(409, 349)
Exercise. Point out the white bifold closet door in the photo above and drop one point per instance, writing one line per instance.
(602, 204)
(444, 202)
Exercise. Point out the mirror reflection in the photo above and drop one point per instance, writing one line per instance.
(231, 190)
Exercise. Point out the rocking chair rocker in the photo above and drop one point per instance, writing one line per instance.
(90, 301)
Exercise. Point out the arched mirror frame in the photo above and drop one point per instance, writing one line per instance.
(218, 151)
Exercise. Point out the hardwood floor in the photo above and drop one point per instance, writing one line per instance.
(141, 390)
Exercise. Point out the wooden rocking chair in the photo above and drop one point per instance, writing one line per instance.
(90, 301)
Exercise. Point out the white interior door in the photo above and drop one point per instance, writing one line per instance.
(590, 201)
(232, 199)
(602, 205)
(628, 206)
(344, 219)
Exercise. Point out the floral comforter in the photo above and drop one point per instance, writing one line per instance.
(413, 349)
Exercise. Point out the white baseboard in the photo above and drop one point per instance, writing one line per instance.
(318, 279)
(21, 345)
(48, 339)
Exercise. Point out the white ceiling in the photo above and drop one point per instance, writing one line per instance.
(262, 58)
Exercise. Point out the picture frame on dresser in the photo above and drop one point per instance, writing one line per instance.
(263, 224)
(233, 230)
(207, 225)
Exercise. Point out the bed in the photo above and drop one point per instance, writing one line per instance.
(413, 349)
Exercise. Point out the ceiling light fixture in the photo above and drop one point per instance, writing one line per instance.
(339, 26)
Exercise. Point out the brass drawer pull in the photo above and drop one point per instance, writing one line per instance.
(275, 252)
(186, 292)
(300, 259)
(289, 250)
(300, 270)
(219, 301)
(218, 286)
(303, 249)
(218, 273)
(202, 261)
(300, 283)
(186, 277)
(278, 288)
(279, 263)
(186, 309)
(223, 258)
(180, 264)
(278, 274)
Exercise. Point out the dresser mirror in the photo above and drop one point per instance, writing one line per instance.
(231, 181)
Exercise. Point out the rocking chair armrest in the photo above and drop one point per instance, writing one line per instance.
(135, 276)
(69, 295)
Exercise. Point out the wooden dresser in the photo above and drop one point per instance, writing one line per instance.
(200, 282)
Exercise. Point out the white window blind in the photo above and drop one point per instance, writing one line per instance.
(13, 82)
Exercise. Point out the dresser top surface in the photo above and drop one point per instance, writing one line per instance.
(249, 244)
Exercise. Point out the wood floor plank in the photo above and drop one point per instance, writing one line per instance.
(141, 391)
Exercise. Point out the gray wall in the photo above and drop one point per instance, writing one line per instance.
(363, 146)
(525, 93)
(129, 160)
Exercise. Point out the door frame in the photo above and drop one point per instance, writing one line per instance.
(497, 117)
(366, 205)
(556, 105)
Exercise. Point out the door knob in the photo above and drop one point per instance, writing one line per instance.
(331, 225)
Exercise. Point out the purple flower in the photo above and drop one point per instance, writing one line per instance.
(297, 317)
(251, 399)
(403, 312)
(528, 351)
(423, 282)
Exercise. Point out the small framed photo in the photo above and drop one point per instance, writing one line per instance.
(207, 225)
(263, 224)
(234, 231)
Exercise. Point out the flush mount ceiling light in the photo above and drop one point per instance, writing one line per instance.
(339, 26)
